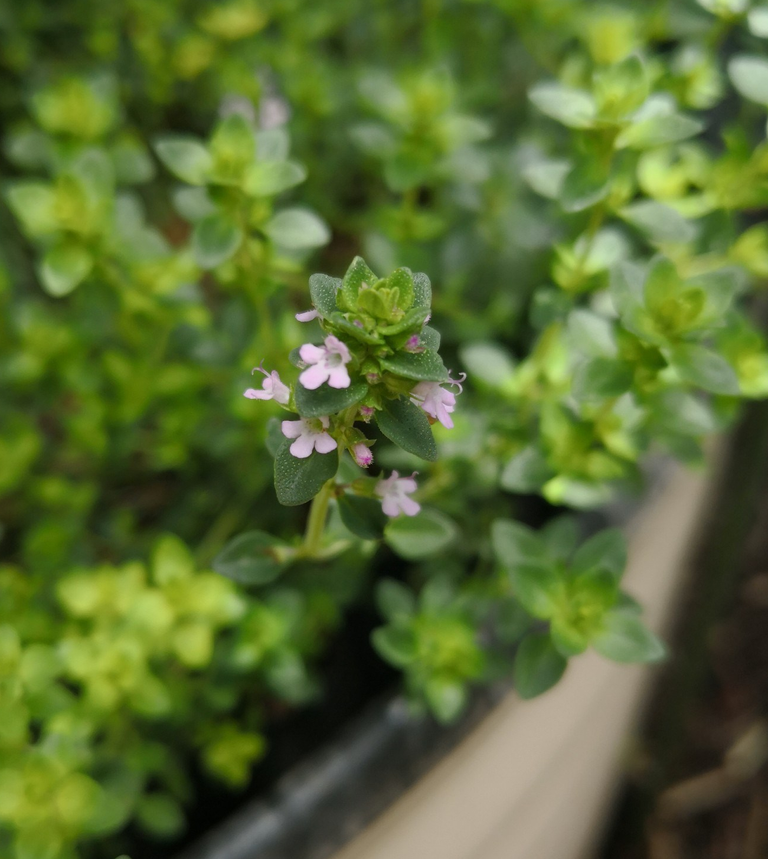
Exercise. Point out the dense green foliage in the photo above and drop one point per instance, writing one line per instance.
(581, 182)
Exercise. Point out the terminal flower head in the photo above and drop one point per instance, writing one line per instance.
(309, 434)
(436, 401)
(272, 388)
(394, 493)
(327, 364)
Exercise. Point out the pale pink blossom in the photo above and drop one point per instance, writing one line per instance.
(436, 401)
(394, 492)
(272, 388)
(310, 434)
(327, 364)
(362, 455)
(307, 315)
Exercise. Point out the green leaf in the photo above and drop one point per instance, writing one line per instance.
(267, 178)
(422, 290)
(749, 74)
(233, 149)
(488, 362)
(395, 644)
(599, 378)
(402, 279)
(704, 368)
(322, 290)
(34, 205)
(412, 321)
(758, 21)
(420, 366)
(63, 268)
(429, 338)
(408, 427)
(186, 158)
(250, 559)
(514, 543)
(214, 240)
(338, 321)
(395, 600)
(526, 472)
(661, 224)
(572, 107)
(537, 586)
(160, 814)
(538, 665)
(446, 698)
(326, 400)
(659, 130)
(606, 550)
(356, 275)
(422, 535)
(362, 516)
(299, 480)
(297, 229)
(625, 638)
(560, 536)
(546, 177)
(592, 334)
(585, 185)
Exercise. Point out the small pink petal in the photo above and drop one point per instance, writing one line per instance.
(292, 429)
(325, 443)
(311, 353)
(307, 315)
(314, 376)
(253, 394)
(409, 506)
(390, 506)
(303, 446)
(338, 377)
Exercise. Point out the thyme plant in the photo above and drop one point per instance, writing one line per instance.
(561, 201)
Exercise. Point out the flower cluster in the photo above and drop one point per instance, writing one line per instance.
(378, 359)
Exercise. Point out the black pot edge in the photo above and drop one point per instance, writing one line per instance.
(323, 803)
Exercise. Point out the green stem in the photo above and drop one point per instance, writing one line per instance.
(318, 513)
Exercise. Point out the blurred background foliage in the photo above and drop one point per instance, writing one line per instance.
(171, 169)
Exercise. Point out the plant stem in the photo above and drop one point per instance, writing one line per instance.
(316, 523)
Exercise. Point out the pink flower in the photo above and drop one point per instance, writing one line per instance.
(394, 492)
(328, 364)
(310, 434)
(437, 402)
(272, 388)
(307, 315)
(362, 455)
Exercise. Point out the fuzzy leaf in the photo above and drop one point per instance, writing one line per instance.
(299, 480)
(408, 427)
(267, 178)
(297, 229)
(214, 240)
(420, 366)
(186, 158)
(323, 289)
(538, 665)
(625, 638)
(250, 559)
(362, 516)
(63, 268)
(326, 400)
(420, 536)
